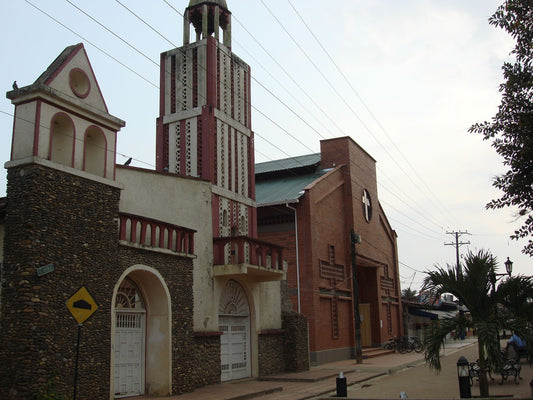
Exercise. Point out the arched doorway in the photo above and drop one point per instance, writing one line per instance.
(130, 339)
(141, 336)
(234, 323)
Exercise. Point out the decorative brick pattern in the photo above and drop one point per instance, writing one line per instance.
(325, 217)
(172, 84)
(195, 77)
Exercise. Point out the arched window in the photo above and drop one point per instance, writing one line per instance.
(128, 296)
(62, 137)
(94, 159)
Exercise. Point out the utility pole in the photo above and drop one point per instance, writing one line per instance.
(354, 239)
(457, 243)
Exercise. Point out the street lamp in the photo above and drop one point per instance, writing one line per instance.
(463, 375)
(509, 266)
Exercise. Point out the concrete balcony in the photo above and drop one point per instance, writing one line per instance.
(151, 234)
(245, 256)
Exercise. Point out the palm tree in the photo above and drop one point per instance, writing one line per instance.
(408, 293)
(475, 288)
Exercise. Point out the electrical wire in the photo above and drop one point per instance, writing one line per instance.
(138, 52)
(416, 173)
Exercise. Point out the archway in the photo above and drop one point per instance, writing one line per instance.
(62, 138)
(95, 152)
(141, 334)
(234, 322)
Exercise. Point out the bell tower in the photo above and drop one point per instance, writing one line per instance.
(204, 125)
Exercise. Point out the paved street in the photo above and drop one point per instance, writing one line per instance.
(377, 378)
(422, 383)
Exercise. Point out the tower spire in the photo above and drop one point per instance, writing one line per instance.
(207, 17)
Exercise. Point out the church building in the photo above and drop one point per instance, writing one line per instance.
(119, 281)
(340, 247)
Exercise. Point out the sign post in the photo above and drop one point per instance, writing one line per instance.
(81, 305)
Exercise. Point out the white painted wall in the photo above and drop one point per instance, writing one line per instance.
(270, 305)
(62, 81)
(22, 145)
(184, 202)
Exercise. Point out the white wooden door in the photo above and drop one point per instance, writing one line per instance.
(129, 354)
(235, 347)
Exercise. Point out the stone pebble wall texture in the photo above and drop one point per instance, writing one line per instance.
(195, 360)
(57, 218)
(60, 219)
(295, 341)
(285, 350)
(271, 353)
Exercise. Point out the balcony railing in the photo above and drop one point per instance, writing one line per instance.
(247, 250)
(150, 232)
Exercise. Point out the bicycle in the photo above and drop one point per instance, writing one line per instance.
(416, 344)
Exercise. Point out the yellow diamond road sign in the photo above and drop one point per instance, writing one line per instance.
(81, 305)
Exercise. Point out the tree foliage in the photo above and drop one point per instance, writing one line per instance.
(511, 129)
(490, 309)
(409, 293)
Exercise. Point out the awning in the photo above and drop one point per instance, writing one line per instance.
(445, 314)
(421, 313)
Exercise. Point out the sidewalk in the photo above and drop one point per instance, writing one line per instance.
(378, 378)
(420, 382)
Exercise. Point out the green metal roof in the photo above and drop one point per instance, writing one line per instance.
(288, 164)
(283, 190)
(282, 181)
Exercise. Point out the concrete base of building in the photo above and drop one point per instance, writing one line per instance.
(331, 355)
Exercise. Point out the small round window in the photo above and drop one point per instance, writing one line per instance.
(79, 83)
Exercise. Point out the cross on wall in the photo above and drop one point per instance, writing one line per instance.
(367, 205)
(335, 273)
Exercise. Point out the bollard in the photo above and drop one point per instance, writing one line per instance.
(464, 378)
(342, 390)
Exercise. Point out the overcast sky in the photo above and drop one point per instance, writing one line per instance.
(405, 79)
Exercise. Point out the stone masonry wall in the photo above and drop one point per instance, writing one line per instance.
(295, 342)
(192, 357)
(285, 350)
(60, 219)
(206, 357)
(271, 353)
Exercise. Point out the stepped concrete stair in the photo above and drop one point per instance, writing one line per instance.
(372, 352)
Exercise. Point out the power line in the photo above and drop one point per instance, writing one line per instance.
(364, 103)
(457, 243)
(340, 95)
(156, 64)
(92, 44)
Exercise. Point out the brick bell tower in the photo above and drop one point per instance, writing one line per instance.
(204, 125)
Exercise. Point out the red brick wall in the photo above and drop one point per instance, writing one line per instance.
(331, 207)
